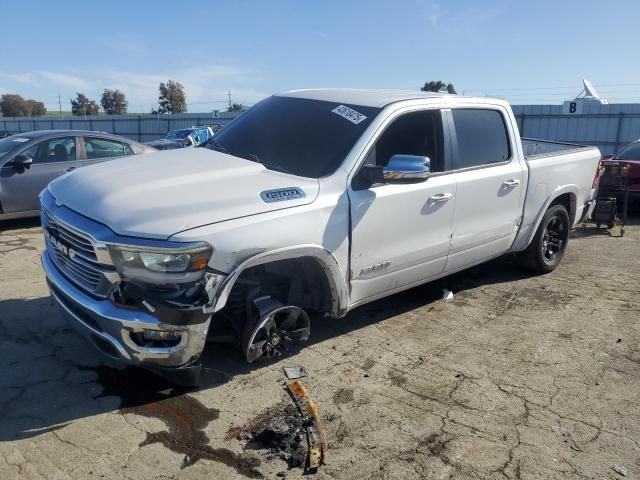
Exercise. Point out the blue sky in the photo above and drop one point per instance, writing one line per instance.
(526, 52)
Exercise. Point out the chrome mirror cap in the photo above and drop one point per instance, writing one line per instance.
(407, 169)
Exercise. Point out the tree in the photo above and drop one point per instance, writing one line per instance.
(172, 98)
(236, 107)
(114, 102)
(83, 106)
(34, 108)
(437, 86)
(12, 105)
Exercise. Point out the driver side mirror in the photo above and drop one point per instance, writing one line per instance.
(607, 157)
(401, 169)
(22, 160)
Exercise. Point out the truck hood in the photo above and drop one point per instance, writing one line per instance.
(160, 194)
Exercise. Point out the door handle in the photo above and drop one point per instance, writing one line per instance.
(440, 197)
(510, 183)
(70, 169)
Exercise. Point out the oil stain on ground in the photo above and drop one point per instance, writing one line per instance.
(185, 418)
(342, 396)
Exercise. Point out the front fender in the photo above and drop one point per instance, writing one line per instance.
(335, 275)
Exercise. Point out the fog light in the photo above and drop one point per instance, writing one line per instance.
(161, 335)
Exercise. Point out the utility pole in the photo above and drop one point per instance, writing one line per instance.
(229, 94)
(60, 106)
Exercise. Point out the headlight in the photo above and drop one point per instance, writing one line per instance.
(161, 266)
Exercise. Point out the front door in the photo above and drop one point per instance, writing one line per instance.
(490, 190)
(21, 186)
(401, 233)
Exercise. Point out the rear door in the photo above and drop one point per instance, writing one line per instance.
(20, 186)
(489, 181)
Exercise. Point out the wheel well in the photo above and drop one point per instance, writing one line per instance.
(298, 281)
(568, 201)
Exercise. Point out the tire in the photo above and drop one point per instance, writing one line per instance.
(547, 248)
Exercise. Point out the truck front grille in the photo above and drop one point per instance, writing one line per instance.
(74, 239)
(74, 255)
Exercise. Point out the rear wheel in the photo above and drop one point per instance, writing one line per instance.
(547, 248)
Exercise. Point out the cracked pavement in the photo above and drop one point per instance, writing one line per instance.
(518, 377)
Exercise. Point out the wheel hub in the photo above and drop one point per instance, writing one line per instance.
(553, 238)
(277, 327)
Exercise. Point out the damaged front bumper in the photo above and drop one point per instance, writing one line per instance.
(115, 329)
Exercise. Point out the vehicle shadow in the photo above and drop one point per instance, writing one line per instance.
(50, 375)
(590, 230)
(19, 224)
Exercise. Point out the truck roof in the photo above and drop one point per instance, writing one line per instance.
(364, 97)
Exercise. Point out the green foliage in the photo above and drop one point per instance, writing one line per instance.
(437, 86)
(12, 105)
(83, 106)
(172, 98)
(114, 102)
(236, 107)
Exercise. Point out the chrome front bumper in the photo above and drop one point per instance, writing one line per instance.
(112, 328)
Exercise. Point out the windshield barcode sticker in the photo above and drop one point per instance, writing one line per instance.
(349, 113)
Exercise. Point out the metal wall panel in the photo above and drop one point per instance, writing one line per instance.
(142, 128)
(609, 127)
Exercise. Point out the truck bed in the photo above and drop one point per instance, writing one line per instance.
(534, 148)
(554, 169)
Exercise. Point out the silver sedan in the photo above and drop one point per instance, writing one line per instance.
(29, 161)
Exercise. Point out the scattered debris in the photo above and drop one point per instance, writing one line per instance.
(447, 294)
(316, 436)
(620, 470)
(281, 430)
(293, 373)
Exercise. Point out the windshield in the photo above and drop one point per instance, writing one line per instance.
(11, 144)
(631, 152)
(179, 134)
(309, 138)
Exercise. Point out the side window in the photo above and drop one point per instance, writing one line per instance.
(482, 137)
(128, 150)
(415, 133)
(54, 150)
(137, 149)
(97, 148)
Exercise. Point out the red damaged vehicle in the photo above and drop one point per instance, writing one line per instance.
(631, 156)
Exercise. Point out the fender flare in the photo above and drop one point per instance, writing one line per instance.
(329, 264)
(570, 189)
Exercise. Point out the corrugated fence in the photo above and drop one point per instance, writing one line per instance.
(142, 128)
(609, 127)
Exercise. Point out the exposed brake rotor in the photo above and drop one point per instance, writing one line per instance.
(277, 326)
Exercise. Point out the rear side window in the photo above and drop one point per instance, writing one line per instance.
(482, 137)
(97, 148)
(128, 150)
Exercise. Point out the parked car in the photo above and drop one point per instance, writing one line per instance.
(28, 161)
(186, 137)
(312, 201)
(631, 156)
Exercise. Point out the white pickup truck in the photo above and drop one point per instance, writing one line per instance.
(312, 201)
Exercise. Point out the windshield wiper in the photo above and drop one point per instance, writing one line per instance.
(219, 147)
(249, 156)
(274, 166)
